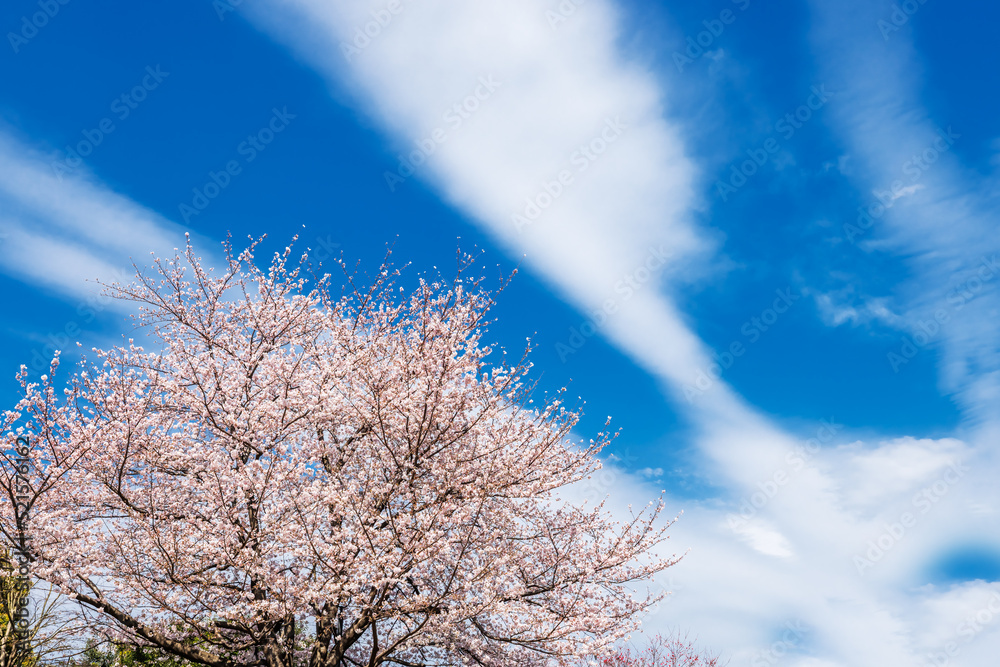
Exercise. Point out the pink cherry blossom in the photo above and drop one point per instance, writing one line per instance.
(670, 651)
(298, 478)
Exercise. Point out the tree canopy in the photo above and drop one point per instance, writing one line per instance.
(296, 478)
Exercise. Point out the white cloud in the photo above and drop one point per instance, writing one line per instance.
(51, 262)
(764, 539)
(792, 560)
(906, 191)
(65, 234)
(940, 216)
(841, 306)
(71, 236)
(896, 468)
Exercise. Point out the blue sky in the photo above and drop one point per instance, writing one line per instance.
(700, 166)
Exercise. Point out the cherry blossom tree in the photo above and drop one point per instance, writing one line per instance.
(295, 477)
(669, 651)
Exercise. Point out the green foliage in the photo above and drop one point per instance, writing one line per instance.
(125, 656)
(12, 594)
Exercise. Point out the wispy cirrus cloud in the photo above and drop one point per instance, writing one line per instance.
(531, 165)
(64, 234)
(921, 202)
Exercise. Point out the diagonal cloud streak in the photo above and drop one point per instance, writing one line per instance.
(64, 234)
(920, 202)
(544, 135)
